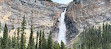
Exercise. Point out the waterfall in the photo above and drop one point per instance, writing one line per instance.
(62, 28)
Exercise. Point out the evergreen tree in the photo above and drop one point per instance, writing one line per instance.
(31, 44)
(106, 36)
(23, 42)
(37, 37)
(23, 39)
(93, 38)
(18, 38)
(23, 24)
(62, 45)
(5, 38)
(0, 42)
(40, 40)
(50, 42)
(43, 41)
(9, 43)
(56, 45)
(0, 28)
(14, 43)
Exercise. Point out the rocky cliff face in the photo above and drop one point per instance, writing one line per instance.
(44, 15)
(41, 14)
(86, 14)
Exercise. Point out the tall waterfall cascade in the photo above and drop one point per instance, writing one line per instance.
(62, 28)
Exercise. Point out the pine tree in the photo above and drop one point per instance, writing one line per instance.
(23, 42)
(50, 42)
(56, 45)
(106, 34)
(9, 43)
(93, 38)
(23, 24)
(0, 28)
(23, 39)
(37, 37)
(40, 40)
(18, 38)
(14, 43)
(43, 41)
(5, 38)
(0, 42)
(62, 45)
(31, 44)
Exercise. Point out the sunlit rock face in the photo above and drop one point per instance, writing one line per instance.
(41, 14)
(86, 14)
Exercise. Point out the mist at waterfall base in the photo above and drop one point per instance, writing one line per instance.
(62, 28)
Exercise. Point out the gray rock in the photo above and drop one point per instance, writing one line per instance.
(41, 14)
(87, 14)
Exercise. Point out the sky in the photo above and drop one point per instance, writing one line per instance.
(62, 1)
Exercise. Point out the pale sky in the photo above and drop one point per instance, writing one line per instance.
(62, 1)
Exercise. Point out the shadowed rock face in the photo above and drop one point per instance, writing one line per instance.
(86, 14)
(71, 28)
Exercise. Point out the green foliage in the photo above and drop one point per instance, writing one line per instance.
(56, 45)
(9, 43)
(18, 38)
(92, 38)
(0, 42)
(106, 36)
(31, 44)
(62, 45)
(23, 24)
(5, 38)
(50, 42)
(44, 43)
(23, 39)
(17, 42)
(0, 28)
(37, 37)
(40, 40)
(14, 42)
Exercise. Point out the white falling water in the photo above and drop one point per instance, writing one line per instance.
(62, 28)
